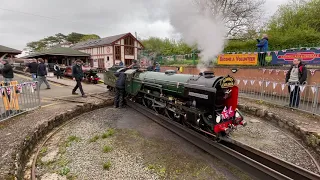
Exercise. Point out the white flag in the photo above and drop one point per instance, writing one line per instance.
(245, 82)
(302, 88)
(267, 83)
(238, 81)
(252, 82)
(292, 88)
(275, 85)
(260, 83)
(313, 88)
(282, 86)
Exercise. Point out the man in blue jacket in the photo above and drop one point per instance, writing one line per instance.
(262, 49)
(120, 89)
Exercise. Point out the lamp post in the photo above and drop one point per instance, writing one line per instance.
(194, 57)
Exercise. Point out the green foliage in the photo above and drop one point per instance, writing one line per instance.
(64, 171)
(107, 149)
(58, 39)
(166, 47)
(94, 139)
(107, 165)
(109, 133)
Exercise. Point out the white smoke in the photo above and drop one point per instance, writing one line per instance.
(198, 26)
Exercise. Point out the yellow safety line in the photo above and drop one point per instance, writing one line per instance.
(48, 105)
(26, 77)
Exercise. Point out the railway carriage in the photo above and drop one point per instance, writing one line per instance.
(204, 102)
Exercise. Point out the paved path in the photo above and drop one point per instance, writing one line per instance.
(60, 88)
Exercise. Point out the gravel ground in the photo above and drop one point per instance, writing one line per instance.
(133, 147)
(272, 140)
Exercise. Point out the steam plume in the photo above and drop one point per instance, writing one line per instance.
(198, 26)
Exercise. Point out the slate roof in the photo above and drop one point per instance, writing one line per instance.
(99, 42)
(59, 51)
(4, 49)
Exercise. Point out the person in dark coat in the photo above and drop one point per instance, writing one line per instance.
(78, 76)
(7, 72)
(262, 49)
(57, 68)
(120, 89)
(42, 73)
(33, 69)
(297, 75)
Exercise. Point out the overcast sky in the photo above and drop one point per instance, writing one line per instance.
(22, 21)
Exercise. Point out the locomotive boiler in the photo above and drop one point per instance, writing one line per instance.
(204, 102)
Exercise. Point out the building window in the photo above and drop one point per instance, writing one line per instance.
(118, 52)
(128, 46)
(107, 58)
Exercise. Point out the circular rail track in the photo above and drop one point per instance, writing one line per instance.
(256, 163)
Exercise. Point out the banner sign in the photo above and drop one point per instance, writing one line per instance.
(238, 59)
(286, 57)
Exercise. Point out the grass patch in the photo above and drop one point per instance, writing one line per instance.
(107, 149)
(64, 171)
(94, 139)
(107, 165)
(73, 138)
(43, 150)
(2, 126)
(109, 133)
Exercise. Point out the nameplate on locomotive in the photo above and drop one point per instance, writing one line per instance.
(198, 95)
(227, 82)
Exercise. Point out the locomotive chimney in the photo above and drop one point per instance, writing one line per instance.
(207, 74)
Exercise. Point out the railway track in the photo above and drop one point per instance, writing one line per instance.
(256, 163)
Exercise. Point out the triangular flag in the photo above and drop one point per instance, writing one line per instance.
(277, 71)
(267, 83)
(270, 71)
(313, 88)
(302, 87)
(260, 83)
(238, 81)
(276, 53)
(285, 72)
(292, 88)
(245, 82)
(312, 71)
(263, 70)
(252, 82)
(275, 85)
(268, 53)
(282, 86)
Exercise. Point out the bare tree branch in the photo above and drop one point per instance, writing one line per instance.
(237, 14)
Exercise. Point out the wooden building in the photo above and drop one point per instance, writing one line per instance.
(10, 53)
(108, 51)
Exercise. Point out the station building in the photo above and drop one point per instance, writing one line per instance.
(108, 51)
(10, 52)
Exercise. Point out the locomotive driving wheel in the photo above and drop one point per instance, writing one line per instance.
(147, 102)
(157, 108)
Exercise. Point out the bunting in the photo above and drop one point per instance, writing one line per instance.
(302, 87)
(277, 71)
(260, 83)
(282, 86)
(245, 82)
(285, 72)
(267, 83)
(313, 88)
(312, 71)
(270, 71)
(252, 82)
(292, 88)
(238, 81)
(274, 85)
(263, 70)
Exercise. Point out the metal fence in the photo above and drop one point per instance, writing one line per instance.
(18, 97)
(305, 97)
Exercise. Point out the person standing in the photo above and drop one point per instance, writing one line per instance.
(57, 68)
(42, 73)
(262, 49)
(33, 69)
(120, 89)
(297, 75)
(78, 76)
(7, 72)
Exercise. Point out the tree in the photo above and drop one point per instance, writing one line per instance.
(89, 37)
(58, 39)
(237, 14)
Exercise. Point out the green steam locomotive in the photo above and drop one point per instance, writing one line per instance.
(204, 102)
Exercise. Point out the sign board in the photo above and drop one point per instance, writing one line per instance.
(307, 56)
(237, 59)
(227, 82)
